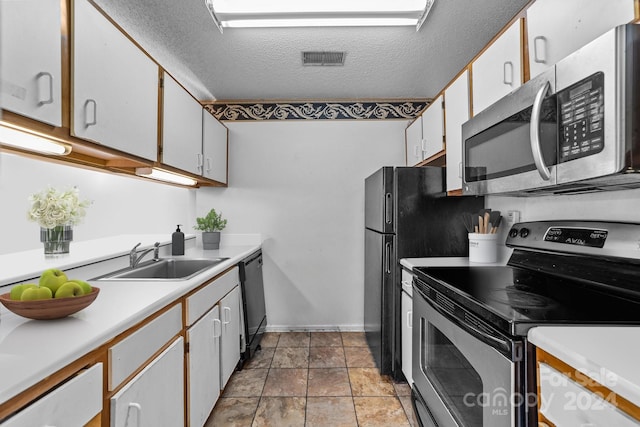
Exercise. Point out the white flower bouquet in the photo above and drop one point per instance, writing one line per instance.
(53, 208)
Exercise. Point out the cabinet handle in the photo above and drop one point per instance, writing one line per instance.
(138, 409)
(459, 169)
(227, 315)
(410, 319)
(217, 322)
(50, 79)
(507, 77)
(536, 57)
(199, 159)
(88, 102)
(209, 167)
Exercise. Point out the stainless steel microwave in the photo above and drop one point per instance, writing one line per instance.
(572, 129)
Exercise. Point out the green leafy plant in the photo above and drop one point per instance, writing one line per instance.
(211, 222)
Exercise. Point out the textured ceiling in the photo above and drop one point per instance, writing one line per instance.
(254, 64)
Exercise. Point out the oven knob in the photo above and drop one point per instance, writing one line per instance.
(513, 232)
(524, 232)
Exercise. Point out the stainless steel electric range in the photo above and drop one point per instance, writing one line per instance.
(472, 363)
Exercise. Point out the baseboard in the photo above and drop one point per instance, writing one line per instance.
(315, 328)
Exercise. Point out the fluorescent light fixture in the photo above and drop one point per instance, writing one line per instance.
(163, 175)
(317, 13)
(26, 140)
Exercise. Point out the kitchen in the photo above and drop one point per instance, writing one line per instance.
(299, 237)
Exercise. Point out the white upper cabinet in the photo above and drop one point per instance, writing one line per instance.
(498, 70)
(30, 59)
(181, 128)
(456, 98)
(433, 129)
(413, 142)
(558, 28)
(214, 148)
(114, 84)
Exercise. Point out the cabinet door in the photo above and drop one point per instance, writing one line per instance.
(30, 59)
(154, 397)
(181, 128)
(115, 86)
(230, 337)
(558, 28)
(407, 321)
(498, 70)
(74, 403)
(204, 366)
(456, 98)
(214, 148)
(566, 403)
(432, 129)
(413, 142)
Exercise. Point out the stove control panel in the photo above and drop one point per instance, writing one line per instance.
(577, 236)
(598, 238)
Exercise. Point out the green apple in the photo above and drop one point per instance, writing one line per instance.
(69, 289)
(86, 288)
(52, 279)
(16, 291)
(36, 293)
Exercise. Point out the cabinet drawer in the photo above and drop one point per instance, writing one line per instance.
(567, 403)
(74, 403)
(202, 301)
(154, 397)
(127, 355)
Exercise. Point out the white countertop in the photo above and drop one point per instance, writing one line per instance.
(410, 263)
(609, 355)
(31, 350)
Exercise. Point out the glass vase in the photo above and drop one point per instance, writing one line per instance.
(56, 240)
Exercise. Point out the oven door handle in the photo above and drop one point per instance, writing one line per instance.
(504, 346)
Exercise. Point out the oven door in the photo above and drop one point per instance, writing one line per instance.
(461, 371)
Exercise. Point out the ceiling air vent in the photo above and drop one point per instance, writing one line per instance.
(323, 58)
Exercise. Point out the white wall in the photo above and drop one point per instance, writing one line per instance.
(300, 184)
(121, 205)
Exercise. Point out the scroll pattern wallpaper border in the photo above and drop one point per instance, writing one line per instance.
(373, 110)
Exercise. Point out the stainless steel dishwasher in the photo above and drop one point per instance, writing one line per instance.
(255, 314)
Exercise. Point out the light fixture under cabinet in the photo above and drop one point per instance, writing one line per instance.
(162, 175)
(317, 13)
(24, 139)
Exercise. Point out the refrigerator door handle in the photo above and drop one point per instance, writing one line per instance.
(388, 208)
(387, 258)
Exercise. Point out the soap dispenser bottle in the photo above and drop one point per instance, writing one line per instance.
(177, 242)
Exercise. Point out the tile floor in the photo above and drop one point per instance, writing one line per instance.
(317, 379)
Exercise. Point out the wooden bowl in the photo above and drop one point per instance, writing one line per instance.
(46, 309)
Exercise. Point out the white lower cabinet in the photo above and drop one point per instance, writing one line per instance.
(74, 403)
(230, 337)
(154, 397)
(565, 403)
(407, 324)
(203, 366)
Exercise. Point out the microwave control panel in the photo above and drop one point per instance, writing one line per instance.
(581, 116)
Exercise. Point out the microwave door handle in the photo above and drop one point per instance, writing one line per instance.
(534, 133)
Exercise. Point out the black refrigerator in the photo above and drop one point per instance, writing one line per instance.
(407, 215)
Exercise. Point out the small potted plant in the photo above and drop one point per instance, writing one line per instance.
(211, 225)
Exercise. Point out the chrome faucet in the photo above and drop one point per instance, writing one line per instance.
(134, 259)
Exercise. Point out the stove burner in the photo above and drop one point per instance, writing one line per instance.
(517, 298)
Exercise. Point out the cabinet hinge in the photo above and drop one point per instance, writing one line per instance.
(443, 104)
(162, 81)
(186, 347)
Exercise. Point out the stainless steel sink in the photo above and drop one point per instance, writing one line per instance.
(164, 269)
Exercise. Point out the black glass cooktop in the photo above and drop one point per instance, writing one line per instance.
(514, 299)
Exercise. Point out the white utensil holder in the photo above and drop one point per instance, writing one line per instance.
(483, 248)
